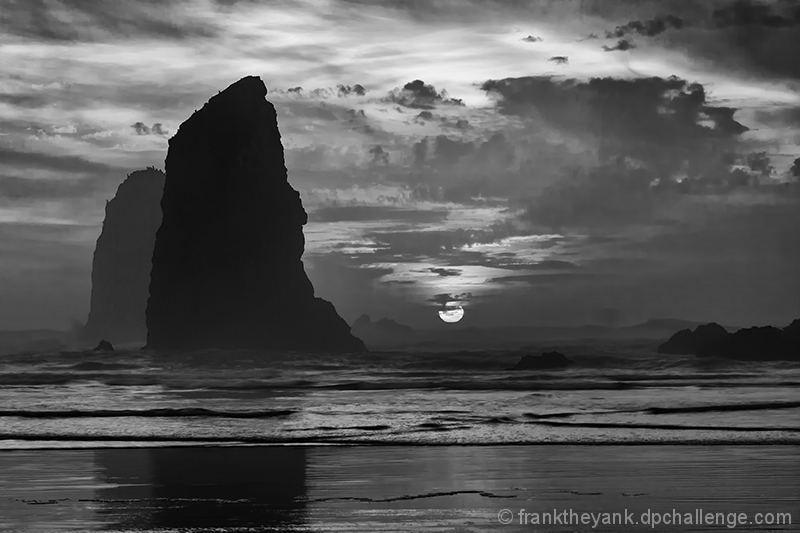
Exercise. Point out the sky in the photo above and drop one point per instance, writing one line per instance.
(554, 162)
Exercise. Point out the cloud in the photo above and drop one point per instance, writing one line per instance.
(420, 95)
(142, 129)
(20, 188)
(445, 272)
(750, 13)
(759, 162)
(346, 90)
(559, 60)
(379, 155)
(647, 28)
(622, 45)
(322, 93)
(750, 35)
(443, 299)
(536, 279)
(663, 123)
(376, 213)
(81, 21)
(65, 163)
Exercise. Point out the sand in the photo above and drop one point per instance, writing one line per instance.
(396, 488)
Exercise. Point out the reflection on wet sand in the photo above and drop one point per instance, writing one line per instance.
(203, 487)
(392, 488)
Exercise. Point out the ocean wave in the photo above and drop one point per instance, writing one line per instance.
(722, 408)
(718, 408)
(672, 427)
(148, 413)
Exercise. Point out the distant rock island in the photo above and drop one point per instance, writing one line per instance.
(123, 259)
(227, 269)
(749, 344)
(382, 332)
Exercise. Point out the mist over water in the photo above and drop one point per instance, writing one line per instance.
(615, 393)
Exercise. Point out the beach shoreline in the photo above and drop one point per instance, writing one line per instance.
(390, 488)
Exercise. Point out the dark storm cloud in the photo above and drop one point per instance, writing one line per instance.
(795, 170)
(664, 123)
(621, 46)
(750, 13)
(86, 20)
(759, 162)
(647, 28)
(724, 121)
(604, 197)
(742, 35)
(450, 169)
(560, 60)
(420, 95)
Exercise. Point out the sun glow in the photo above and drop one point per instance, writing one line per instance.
(451, 314)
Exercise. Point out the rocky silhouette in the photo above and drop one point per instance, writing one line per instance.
(793, 329)
(757, 344)
(383, 334)
(227, 268)
(364, 324)
(103, 346)
(687, 342)
(122, 259)
(546, 361)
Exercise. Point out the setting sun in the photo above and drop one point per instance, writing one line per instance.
(451, 314)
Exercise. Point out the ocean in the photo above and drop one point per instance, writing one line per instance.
(455, 442)
(615, 393)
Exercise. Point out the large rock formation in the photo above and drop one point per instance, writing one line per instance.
(227, 269)
(687, 342)
(122, 260)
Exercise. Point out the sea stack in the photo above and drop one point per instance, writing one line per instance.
(227, 268)
(123, 258)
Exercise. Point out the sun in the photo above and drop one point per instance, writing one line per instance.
(452, 313)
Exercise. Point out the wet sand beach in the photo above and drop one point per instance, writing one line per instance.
(396, 488)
